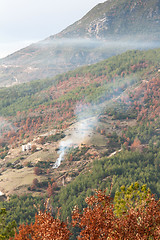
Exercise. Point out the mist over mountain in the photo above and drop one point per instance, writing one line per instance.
(109, 28)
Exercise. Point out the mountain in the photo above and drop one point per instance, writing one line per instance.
(109, 28)
(117, 18)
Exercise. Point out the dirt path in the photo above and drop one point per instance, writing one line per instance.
(114, 153)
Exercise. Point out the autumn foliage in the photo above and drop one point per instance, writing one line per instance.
(37, 171)
(136, 144)
(98, 220)
(45, 227)
(103, 219)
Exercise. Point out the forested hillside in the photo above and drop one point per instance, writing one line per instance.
(117, 98)
(31, 107)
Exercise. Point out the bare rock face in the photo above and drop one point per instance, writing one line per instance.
(98, 27)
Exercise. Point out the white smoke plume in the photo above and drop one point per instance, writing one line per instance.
(82, 130)
(79, 132)
(64, 145)
(87, 118)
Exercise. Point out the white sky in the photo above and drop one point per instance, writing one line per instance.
(26, 21)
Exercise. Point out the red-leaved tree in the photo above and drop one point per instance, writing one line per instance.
(98, 220)
(44, 228)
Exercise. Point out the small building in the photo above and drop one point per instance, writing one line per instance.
(29, 146)
(26, 147)
(2, 197)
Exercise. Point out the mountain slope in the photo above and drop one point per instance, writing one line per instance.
(118, 18)
(109, 28)
(31, 109)
(118, 99)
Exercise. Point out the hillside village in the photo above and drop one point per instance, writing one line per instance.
(21, 161)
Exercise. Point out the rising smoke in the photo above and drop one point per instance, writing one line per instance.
(80, 131)
(87, 119)
(6, 126)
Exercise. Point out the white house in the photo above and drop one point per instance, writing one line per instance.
(26, 147)
(2, 197)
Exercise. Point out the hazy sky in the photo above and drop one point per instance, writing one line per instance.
(26, 21)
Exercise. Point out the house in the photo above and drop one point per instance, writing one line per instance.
(26, 147)
(2, 197)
